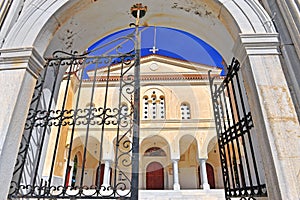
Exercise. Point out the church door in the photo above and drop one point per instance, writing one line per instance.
(101, 170)
(210, 176)
(155, 176)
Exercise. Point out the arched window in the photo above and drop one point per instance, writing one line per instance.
(154, 105)
(155, 151)
(162, 107)
(145, 108)
(185, 111)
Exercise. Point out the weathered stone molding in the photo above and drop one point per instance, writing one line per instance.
(291, 14)
(256, 44)
(41, 22)
(250, 16)
(19, 69)
(22, 58)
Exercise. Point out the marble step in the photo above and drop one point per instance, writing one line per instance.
(217, 194)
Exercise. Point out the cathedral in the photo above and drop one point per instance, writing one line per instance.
(150, 100)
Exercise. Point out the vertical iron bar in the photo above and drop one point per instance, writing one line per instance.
(56, 72)
(247, 124)
(136, 121)
(88, 128)
(235, 123)
(222, 135)
(59, 127)
(240, 125)
(118, 128)
(103, 125)
(218, 122)
(228, 132)
(45, 129)
(233, 136)
(32, 122)
(73, 127)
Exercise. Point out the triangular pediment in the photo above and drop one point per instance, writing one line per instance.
(156, 65)
(160, 64)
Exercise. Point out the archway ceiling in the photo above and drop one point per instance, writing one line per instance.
(102, 18)
(51, 25)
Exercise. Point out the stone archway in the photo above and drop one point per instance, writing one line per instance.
(246, 27)
(188, 162)
(155, 149)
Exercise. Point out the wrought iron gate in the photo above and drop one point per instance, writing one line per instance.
(79, 102)
(239, 155)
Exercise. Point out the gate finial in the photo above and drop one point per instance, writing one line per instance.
(138, 11)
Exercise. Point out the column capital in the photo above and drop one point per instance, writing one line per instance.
(256, 44)
(200, 159)
(22, 58)
(107, 160)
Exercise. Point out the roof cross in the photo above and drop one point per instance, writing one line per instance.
(154, 49)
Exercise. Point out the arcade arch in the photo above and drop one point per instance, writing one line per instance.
(158, 162)
(188, 162)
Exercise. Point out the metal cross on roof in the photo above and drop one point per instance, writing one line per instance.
(154, 49)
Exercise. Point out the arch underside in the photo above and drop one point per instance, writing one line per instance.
(75, 25)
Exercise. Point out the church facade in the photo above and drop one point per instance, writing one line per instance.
(173, 129)
(178, 136)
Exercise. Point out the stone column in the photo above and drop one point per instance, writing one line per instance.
(203, 173)
(176, 175)
(106, 176)
(273, 112)
(19, 69)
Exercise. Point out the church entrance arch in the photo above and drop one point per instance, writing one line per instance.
(248, 31)
(155, 176)
(188, 162)
(154, 160)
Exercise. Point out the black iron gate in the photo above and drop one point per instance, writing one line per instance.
(79, 102)
(240, 159)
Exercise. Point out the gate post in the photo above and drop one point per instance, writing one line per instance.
(19, 69)
(138, 11)
(273, 112)
(136, 130)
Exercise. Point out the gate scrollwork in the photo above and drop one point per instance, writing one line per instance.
(59, 123)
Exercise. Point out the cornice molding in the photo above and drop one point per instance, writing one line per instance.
(256, 44)
(160, 77)
(22, 58)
